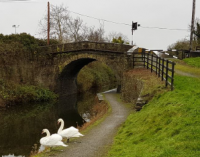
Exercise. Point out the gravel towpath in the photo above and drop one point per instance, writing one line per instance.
(185, 73)
(97, 141)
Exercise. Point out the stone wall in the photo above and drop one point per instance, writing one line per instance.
(55, 71)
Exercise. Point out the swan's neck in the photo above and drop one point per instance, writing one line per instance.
(48, 133)
(61, 126)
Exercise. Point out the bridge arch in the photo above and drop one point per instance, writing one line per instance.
(68, 59)
(67, 80)
(68, 77)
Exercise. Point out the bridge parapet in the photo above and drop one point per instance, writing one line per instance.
(85, 45)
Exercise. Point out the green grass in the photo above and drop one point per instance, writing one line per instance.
(195, 62)
(168, 126)
(188, 65)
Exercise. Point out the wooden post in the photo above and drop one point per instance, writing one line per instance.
(172, 80)
(156, 65)
(192, 24)
(159, 66)
(147, 60)
(133, 60)
(144, 58)
(48, 23)
(166, 77)
(162, 68)
(151, 62)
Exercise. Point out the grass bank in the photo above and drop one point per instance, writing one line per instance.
(168, 126)
(188, 65)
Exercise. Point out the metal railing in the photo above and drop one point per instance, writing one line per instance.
(162, 67)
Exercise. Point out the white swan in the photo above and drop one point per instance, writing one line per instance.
(69, 132)
(51, 141)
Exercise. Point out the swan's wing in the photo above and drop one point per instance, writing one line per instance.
(60, 143)
(53, 139)
(56, 137)
(44, 140)
(65, 132)
(73, 128)
(56, 140)
(70, 132)
(77, 135)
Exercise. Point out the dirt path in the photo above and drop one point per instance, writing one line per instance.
(185, 74)
(97, 141)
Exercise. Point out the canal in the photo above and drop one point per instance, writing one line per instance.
(21, 126)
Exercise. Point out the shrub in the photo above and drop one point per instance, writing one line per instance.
(14, 93)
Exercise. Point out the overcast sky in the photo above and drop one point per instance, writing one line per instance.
(171, 14)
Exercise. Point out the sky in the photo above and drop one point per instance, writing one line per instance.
(170, 14)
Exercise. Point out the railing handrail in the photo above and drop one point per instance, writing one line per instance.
(161, 65)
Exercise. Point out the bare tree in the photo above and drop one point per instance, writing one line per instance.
(96, 35)
(66, 29)
(77, 29)
(59, 17)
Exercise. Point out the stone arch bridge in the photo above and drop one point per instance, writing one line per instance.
(59, 64)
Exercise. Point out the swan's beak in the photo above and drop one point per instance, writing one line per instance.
(42, 132)
(58, 122)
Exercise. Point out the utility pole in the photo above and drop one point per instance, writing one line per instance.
(132, 37)
(192, 24)
(48, 22)
(134, 27)
(15, 26)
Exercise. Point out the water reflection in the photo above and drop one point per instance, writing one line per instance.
(12, 155)
(21, 126)
(85, 104)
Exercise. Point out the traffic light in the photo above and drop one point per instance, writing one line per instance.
(134, 25)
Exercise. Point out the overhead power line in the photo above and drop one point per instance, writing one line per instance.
(176, 29)
(100, 19)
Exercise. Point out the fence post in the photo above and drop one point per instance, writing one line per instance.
(144, 58)
(166, 77)
(172, 80)
(162, 68)
(133, 60)
(151, 62)
(147, 60)
(159, 66)
(156, 65)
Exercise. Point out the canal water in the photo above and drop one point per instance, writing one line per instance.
(21, 126)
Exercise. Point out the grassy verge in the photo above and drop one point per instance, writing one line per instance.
(195, 62)
(169, 125)
(188, 65)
